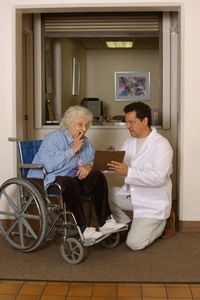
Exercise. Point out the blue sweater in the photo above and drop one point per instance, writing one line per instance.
(56, 155)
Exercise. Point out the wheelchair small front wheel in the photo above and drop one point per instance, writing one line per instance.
(111, 241)
(72, 251)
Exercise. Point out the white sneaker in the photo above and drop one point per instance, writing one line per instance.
(110, 226)
(91, 233)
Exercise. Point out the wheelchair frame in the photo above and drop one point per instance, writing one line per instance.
(32, 215)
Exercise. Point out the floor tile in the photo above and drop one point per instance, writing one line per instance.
(103, 298)
(58, 283)
(195, 291)
(105, 291)
(56, 290)
(130, 285)
(10, 289)
(27, 297)
(153, 291)
(35, 282)
(194, 285)
(181, 298)
(105, 284)
(7, 297)
(59, 290)
(53, 298)
(77, 298)
(129, 298)
(12, 281)
(31, 289)
(154, 285)
(156, 298)
(81, 284)
(80, 290)
(177, 285)
(129, 291)
(178, 292)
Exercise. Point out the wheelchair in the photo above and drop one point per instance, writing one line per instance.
(32, 216)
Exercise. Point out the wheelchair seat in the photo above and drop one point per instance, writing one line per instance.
(31, 215)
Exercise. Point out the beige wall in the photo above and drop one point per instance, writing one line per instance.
(98, 67)
(102, 65)
(70, 49)
(189, 106)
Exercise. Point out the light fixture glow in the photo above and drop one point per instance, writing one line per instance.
(119, 44)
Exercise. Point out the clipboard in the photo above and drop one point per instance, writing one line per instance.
(103, 157)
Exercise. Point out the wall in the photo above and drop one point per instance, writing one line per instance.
(189, 107)
(102, 65)
(70, 49)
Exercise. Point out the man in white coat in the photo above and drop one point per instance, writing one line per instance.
(147, 191)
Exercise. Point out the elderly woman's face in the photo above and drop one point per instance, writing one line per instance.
(78, 125)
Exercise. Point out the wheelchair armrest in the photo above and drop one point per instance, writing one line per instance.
(31, 166)
(34, 166)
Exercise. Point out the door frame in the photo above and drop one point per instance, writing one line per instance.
(126, 7)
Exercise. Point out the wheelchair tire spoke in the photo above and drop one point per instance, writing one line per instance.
(9, 230)
(10, 214)
(74, 248)
(29, 228)
(21, 235)
(10, 201)
(30, 216)
(27, 204)
(23, 221)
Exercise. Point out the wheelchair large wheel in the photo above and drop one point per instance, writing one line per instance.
(111, 241)
(23, 214)
(72, 251)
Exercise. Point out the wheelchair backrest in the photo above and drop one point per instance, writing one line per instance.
(27, 151)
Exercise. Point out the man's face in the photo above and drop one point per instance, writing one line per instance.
(78, 125)
(136, 127)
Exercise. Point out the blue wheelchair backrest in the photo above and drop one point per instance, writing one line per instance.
(27, 151)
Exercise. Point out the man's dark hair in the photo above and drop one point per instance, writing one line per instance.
(142, 110)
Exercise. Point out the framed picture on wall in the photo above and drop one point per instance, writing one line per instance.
(75, 76)
(132, 86)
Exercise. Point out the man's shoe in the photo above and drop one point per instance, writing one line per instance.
(111, 225)
(91, 233)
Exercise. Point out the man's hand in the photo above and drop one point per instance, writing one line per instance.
(78, 141)
(83, 171)
(119, 168)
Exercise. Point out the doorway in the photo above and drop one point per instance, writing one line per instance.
(169, 90)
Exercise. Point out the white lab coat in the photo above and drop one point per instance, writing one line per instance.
(148, 180)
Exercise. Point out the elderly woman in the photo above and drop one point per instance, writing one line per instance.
(67, 156)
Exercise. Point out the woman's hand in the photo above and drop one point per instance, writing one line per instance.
(119, 168)
(83, 171)
(78, 141)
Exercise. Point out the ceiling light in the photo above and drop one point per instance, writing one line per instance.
(119, 44)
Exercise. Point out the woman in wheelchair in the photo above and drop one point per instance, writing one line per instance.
(67, 156)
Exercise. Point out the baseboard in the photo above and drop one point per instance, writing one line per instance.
(189, 226)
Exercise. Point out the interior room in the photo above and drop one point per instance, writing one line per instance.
(72, 62)
(45, 69)
(97, 65)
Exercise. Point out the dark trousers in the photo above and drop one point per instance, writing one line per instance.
(95, 185)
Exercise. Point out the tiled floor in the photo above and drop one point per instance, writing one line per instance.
(40, 290)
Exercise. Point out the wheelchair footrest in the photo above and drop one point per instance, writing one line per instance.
(90, 242)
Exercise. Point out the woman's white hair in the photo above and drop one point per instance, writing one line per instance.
(75, 112)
